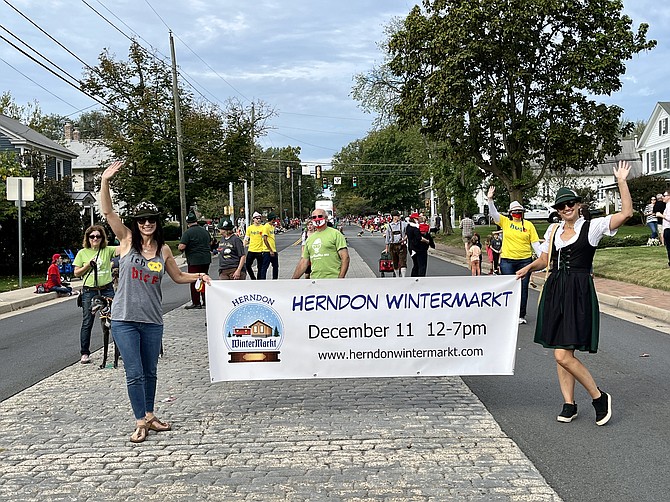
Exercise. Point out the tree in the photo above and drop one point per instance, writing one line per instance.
(507, 84)
(390, 166)
(139, 127)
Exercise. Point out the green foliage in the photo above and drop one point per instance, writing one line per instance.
(643, 188)
(141, 130)
(172, 231)
(389, 165)
(507, 84)
(50, 224)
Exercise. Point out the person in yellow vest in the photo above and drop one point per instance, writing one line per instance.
(519, 241)
(253, 238)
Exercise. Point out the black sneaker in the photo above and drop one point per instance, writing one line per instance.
(193, 306)
(568, 414)
(603, 406)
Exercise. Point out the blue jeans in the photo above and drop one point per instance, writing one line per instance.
(654, 229)
(267, 259)
(88, 318)
(139, 344)
(510, 267)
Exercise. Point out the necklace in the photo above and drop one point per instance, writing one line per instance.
(570, 227)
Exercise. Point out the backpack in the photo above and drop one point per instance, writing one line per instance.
(40, 288)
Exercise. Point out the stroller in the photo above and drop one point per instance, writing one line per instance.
(385, 264)
(66, 268)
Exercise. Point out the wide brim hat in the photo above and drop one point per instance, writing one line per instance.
(144, 209)
(225, 225)
(272, 216)
(191, 218)
(565, 194)
(395, 213)
(515, 206)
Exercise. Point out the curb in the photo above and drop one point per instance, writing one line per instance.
(5, 308)
(537, 279)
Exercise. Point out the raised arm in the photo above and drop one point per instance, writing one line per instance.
(621, 173)
(493, 212)
(122, 232)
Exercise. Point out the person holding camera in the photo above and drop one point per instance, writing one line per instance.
(94, 262)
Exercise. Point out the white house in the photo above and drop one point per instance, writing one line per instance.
(654, 144)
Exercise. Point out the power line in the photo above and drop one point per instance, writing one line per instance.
(37, 84)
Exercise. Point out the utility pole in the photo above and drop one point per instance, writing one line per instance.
(180, 153)
(253, 161)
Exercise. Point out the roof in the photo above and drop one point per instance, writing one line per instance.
(21, 135)
(606, 167)
(91, 154)
(83, 198)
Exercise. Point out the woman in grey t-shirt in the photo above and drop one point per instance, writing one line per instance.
(137, 318)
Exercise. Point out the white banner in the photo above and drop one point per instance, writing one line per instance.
(269, 330)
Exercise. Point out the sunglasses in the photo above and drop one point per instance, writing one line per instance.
(95, 236)
(562, 205)
(150, 220)
(318, 217)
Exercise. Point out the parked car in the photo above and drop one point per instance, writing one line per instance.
(482, 219)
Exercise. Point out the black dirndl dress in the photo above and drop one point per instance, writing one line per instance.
(568, 316)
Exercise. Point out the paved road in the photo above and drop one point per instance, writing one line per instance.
(627, 459)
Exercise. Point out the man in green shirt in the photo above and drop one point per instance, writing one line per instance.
(195, 243)
(325, 250)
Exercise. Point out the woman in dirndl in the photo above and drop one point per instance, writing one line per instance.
(568, 318)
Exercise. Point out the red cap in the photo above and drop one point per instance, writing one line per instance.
(414, 216)
(54, 258)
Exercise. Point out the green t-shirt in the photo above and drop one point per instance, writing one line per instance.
(103, 260)
(198, 251)
(321, 249)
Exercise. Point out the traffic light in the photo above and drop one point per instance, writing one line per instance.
(354, 181)
(288, 171)
(318, 172)
(325, 183)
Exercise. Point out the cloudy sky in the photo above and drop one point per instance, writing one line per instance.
(298, 56)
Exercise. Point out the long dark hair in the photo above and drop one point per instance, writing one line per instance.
(137, 236)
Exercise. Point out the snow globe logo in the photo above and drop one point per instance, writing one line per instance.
(253, 332)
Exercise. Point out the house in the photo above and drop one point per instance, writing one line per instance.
(14, 136)
(92, 158)
(600, 179)
(654, 144)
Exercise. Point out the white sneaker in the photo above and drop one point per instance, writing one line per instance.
(85, 359)
(522, 320)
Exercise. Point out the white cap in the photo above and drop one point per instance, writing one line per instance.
(256, 215)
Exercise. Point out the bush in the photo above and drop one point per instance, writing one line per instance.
(172, 231)
(620, 242)
(636, 219)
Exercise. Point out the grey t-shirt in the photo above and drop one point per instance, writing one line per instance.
(138, 296)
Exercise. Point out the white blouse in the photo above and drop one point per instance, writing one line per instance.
(599, 228)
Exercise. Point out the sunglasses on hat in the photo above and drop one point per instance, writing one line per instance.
(562, 205)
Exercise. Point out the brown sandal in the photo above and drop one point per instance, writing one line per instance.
(139, 434)
(156, 425)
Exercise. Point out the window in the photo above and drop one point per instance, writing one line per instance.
(59, 169)
(653, 161)
(663, 126)
(665, 151)
(648, 169)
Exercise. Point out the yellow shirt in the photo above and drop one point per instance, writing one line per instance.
(254, 235)
(517, 238)
(269, 232)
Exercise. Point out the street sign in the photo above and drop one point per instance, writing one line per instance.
(27, 188)
(337, 180)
